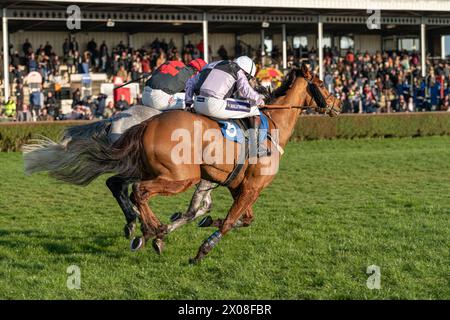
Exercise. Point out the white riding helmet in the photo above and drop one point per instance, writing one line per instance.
(246, 64)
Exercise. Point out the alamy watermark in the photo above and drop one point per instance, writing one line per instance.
(374, 280)
(373, 22)
(211, 148)
(73, 21)
(74, 277)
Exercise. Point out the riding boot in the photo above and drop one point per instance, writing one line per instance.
(256, 149)
(253, 136)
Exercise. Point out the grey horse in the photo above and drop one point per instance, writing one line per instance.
(111, 130)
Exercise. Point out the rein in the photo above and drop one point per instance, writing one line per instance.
(321, 102)
(282, 106)
(316, 95)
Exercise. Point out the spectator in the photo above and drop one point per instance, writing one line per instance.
(50, 105)
(74, 45)
(48, 49)
(123, 73)
(9, 109)
(346, 105)
(76, 97)
(44, 116)
(27, 47)
(19, 96)
(411, 107)
(24, 115)
(222, 52)
(103, 55)
(109, 110)
(100, 106)
(122, 104)
(66, 47)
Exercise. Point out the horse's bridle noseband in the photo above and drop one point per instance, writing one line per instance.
(321, 102)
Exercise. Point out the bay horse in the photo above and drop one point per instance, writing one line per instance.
(144, 154)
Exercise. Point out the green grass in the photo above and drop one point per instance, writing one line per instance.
(335, 208)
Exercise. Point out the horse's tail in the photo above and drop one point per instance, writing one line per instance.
(85, 153)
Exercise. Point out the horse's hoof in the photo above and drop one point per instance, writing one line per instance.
(137, 243)
(129, 229)
(193, 261)
(175, 216)
(158, 245)
(205, 222)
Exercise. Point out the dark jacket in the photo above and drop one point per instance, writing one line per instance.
(170, 77)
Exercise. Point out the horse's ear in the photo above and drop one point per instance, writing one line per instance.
(305, 71)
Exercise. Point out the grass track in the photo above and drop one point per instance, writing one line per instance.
(335, 208)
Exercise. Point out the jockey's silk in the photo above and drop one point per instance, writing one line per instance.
(222, 80)
(170, 77)
(224, 109)
(161, 100)
(217, 80)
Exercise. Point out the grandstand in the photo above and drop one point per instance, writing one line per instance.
(411, 37)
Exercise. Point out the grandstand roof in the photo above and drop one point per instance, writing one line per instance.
(246, 17)
(409, 5)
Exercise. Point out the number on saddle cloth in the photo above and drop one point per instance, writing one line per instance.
(232, 131)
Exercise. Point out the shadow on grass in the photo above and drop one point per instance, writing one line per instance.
(60, 244)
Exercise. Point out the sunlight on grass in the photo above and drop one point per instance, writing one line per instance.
(335, 208)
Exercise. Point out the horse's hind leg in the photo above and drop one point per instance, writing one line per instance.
(200, 204)
(151, 225)
(119, 189)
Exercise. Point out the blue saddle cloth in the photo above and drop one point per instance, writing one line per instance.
(233, 132)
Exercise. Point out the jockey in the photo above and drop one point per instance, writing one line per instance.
(222, 91)
(162, 90)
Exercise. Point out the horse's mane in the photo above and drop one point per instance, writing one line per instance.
(285, 85)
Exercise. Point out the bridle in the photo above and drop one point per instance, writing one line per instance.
(320, 100)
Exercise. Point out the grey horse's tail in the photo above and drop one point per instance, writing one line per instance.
(84, 153)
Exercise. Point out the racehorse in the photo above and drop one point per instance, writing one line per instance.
(144, 153)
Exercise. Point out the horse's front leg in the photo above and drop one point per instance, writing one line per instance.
(200, 204)
(119, 189)
(241, 203)
(244, 221)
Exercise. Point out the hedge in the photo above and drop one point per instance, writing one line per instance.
(347, 126)
(14, 134)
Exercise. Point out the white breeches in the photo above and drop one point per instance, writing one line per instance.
(224, 109)
(160, 100)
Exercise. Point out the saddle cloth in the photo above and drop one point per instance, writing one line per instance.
(232, 130)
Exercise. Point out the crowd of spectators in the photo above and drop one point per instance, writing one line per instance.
(366, 83)
(387, 81)
(120, 61)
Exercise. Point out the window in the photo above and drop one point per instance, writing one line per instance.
(409, 44)
(300, 41)
(346, 43)
(327, 42)
(446, 46)
(268, 43)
